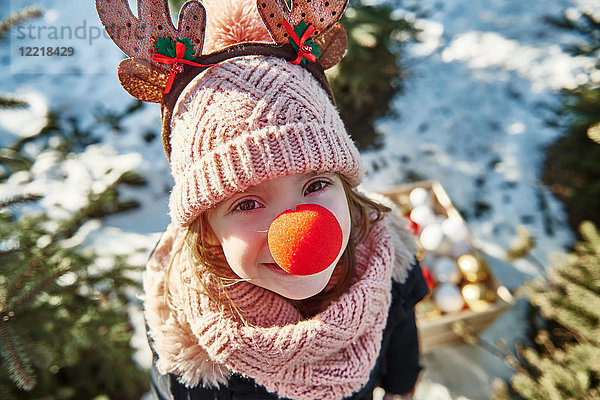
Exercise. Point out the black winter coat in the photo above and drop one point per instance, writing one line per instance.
(396, 369)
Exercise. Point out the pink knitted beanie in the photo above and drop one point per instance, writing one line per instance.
(249, 119)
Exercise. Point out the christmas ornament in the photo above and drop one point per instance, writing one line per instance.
(427, 309)
(174, 54)
(432, 238)
(419, 197)
(472, 268)
(422, 215)
(168, 48)
(296, 239)
(477, 296)
(448, 298)
(454, 229)
(445, 270)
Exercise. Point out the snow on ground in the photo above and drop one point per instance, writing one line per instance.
(480, 90)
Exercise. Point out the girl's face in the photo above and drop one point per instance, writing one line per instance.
(241, 225)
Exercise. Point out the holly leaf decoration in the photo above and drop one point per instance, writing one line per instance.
(299, 29)
(189, 48)
(166, 47)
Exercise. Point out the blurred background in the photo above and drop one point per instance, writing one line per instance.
(496, 101)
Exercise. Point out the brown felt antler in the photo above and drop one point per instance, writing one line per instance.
(137, 36)
(323, 14)
(141, 76)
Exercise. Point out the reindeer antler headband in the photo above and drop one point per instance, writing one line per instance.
(165, 59)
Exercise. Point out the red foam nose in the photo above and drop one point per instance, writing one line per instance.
(305, 241)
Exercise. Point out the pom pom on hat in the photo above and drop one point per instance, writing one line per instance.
(231, 22)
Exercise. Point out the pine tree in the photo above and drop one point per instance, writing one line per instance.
(565, 362)
(64, 331)
(571, 169)
(64, 328)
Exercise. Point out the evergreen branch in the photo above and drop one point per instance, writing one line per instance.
(15, 160)
(565, 364)
(8, 251)
(17, 18)
(51, 127)
(583, 299)
(32, 292)
(19, 199)
(17, 284)
(583, 277)
(11, 102)
(19, 367)
(591, 234)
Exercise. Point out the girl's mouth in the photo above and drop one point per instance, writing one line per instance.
(276, 268)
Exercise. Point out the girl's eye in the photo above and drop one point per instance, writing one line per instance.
(316, 186)
(247, 205)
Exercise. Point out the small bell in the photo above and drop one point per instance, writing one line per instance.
(177, 68)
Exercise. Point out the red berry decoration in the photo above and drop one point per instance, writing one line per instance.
(305, 241)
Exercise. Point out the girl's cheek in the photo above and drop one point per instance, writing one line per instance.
(346, 224)
(338, 205)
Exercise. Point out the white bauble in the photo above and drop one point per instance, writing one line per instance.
(419, 197)
(423, 215)
(448, 298)
(455, 229)
(432, 238)
(445, 270)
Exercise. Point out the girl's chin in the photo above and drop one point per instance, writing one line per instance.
(298, 294)
(303, 287)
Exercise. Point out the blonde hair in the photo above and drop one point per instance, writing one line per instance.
(200, 247)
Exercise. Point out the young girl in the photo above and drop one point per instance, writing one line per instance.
(262, 164)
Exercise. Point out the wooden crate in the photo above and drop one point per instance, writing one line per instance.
(458, 326)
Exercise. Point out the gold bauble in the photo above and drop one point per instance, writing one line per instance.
(427, 309)
(477, 296)
(472, 268)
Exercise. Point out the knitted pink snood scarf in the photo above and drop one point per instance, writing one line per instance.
(327, 356)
